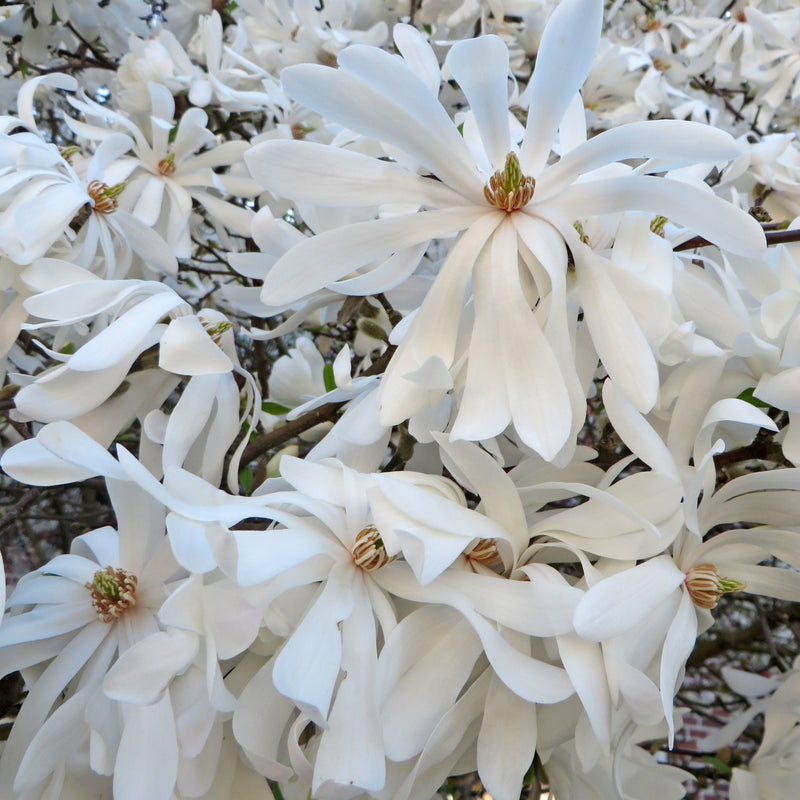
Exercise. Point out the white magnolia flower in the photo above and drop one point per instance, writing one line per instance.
(166, 173)
(73, 617)
(517, 214)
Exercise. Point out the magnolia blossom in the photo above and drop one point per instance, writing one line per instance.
(76, 614)
(520, 215)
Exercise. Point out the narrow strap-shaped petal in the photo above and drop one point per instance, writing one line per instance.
(320, 260)
(483, 410)
(307, 667)
(480, 66)
(147, 765)
(506, 740)
(678, 644)
(566, 53)
(620, 342)
(537, 395)
(689, 206)
(678, 141)
(351, 750)
(391, 114)
(333, 176)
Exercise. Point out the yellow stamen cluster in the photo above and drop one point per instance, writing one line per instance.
(705, 586)
(369, 552)
(508, 189)
(104, 197)
(486, 553)
(112, 592)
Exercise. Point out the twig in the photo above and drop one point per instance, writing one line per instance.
(11, 515)
(773, 238)
(308, 420)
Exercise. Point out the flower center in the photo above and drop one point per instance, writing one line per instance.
(486, 553)
(167, 165)
(112, 592)
(369, 551)
(705, 586)
(508, 189)
(104, 197)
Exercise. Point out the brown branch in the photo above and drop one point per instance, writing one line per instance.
(308, 420)
(773, 237)
(7, 517)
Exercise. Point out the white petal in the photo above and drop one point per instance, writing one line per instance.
(584, 663)
(323, 259)
(143, 672)
(620, 342)
(62, 734)
(147, 765)
(680, 142)
(186, 348)
(566, 53)
(421, 682)
(506, 741)
(418, 54)
(307, 667)
(388, 102)
(259, 721)
(700, 211)
(480, 66)
(351, 750)
(332, 176)
(678, 646)
(621, 601)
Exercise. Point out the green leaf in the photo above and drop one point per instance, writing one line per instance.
(276, 409)
(720, 766)
(327, 376)
(246, 480)
(747, 396)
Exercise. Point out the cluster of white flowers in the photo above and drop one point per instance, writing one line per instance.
(321, 291)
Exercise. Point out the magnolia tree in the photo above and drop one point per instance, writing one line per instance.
(440, 361)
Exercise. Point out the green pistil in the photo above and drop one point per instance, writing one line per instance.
(657, 225)
(512, 174)
(107, 585)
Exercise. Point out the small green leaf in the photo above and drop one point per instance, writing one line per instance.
(173, 132)
(68, 349)
(461, 128)
(720, 766)
(246, 480)
(747, 396)
(276, 409)
(231, 7)
(327, 376)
